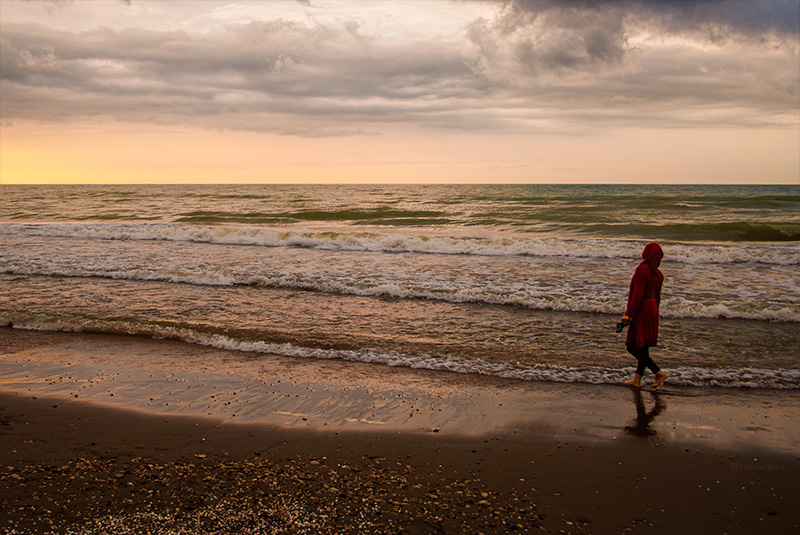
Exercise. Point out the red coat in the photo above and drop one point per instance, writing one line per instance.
(644, 298)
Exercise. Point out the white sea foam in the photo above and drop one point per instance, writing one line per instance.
(552, 299)
(690, 376)
(782, 254)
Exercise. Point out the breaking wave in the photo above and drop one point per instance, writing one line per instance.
(414, 243)
(561, 301)
(689, 376)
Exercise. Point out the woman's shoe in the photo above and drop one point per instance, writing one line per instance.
(636, 381)
(660, 378)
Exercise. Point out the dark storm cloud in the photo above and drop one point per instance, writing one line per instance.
(535, 63)
(743, 16)
(629, 61)
(739, 15)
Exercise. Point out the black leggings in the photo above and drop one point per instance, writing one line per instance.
(642, 354)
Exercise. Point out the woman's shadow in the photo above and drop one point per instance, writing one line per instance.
(641, 426)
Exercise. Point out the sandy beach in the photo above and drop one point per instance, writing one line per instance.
(115, 434)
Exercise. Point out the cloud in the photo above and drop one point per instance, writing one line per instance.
(679, 63)
(534, 43)
(740, 16)
(532, 66)
(737, 16)
(270, 75)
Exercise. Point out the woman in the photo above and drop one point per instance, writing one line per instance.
(644, 298)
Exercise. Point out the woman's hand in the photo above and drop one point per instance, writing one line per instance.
(625, 319)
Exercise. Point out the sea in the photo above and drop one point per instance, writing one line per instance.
(518, 282)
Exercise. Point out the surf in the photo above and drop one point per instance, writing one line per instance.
(749, 378)
(424, 243)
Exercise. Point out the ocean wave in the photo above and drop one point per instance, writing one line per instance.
(735, 231)
(555, 300)
(373, 216)
(387, 242)
(689, 376)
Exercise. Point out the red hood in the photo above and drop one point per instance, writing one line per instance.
(652, 254)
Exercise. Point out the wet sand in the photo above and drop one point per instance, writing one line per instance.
(101, 434)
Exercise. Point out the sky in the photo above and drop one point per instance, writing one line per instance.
(403, 91)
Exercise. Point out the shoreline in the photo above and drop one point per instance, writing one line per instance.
(177, 378)
(498, 457)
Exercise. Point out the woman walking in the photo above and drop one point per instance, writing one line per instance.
(644, 298)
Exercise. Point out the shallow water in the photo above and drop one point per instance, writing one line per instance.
(520, 282)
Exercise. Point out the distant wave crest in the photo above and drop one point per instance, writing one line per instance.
(714, 232)
(411, 243)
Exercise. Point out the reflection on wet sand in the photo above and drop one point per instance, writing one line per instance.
(641, 426)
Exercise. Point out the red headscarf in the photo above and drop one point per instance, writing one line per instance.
(652, 255)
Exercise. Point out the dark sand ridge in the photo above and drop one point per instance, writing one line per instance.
(426, 452)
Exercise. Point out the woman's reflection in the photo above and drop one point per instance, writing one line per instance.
(641, 426)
